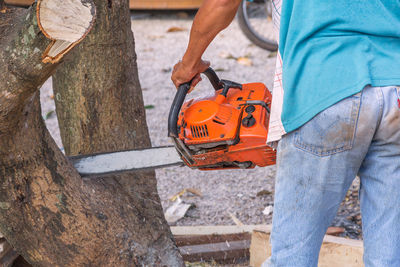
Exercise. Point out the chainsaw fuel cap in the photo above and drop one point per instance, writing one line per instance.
(248, 121)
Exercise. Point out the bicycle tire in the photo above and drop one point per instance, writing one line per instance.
(251, 33)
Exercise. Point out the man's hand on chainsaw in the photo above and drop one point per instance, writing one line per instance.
(183, 73)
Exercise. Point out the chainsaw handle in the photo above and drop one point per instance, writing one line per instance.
(180, 95)
(213, 77)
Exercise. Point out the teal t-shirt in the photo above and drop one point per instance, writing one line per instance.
(333, 49)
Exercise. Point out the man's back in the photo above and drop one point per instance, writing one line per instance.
(332, 49)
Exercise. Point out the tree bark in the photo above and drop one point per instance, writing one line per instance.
(47, 212)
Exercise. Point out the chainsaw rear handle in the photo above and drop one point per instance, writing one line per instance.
(213, 78)
(180, 96)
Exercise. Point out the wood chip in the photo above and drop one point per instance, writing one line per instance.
(176, 196)
(245, 61)
(235, 220)
(176, 29)
(335, 230)
(194, 191)
(264, 193)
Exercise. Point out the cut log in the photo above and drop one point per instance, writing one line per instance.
(66, 26)
(335, 251)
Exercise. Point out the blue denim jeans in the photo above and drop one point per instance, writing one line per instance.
(317, 164)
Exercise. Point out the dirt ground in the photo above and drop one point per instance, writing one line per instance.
(221, 197)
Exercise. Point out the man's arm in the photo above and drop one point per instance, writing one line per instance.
(212, 17)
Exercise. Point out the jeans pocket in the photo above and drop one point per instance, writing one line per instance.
(332, 130)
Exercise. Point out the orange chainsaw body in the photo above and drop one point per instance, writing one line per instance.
(227, 132)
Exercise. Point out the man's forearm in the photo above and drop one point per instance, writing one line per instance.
(213, 17)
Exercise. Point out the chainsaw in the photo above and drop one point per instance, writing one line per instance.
(227, 130)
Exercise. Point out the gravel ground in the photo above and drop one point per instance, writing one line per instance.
(225, 195)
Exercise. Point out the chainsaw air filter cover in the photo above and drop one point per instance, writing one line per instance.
(208, 122)
(228, 129)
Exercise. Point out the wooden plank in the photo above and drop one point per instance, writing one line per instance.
(188, 240)
(343, 241)
(20, 2)
(260, 248)
(165, 4)
(223, 243)
(228, 229)
(335, 251)
(218, 229)
(224, 251)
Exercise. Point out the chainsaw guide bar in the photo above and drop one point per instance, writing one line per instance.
(130, 160)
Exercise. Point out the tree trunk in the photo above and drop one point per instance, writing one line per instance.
(47, 212)
(100, 108)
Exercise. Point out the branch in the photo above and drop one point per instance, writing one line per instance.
(22, 71)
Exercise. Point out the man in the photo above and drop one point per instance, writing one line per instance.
(340, 117)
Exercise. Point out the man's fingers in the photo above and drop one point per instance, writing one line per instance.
(182, 74)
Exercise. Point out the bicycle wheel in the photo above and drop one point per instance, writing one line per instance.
(255, 20)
